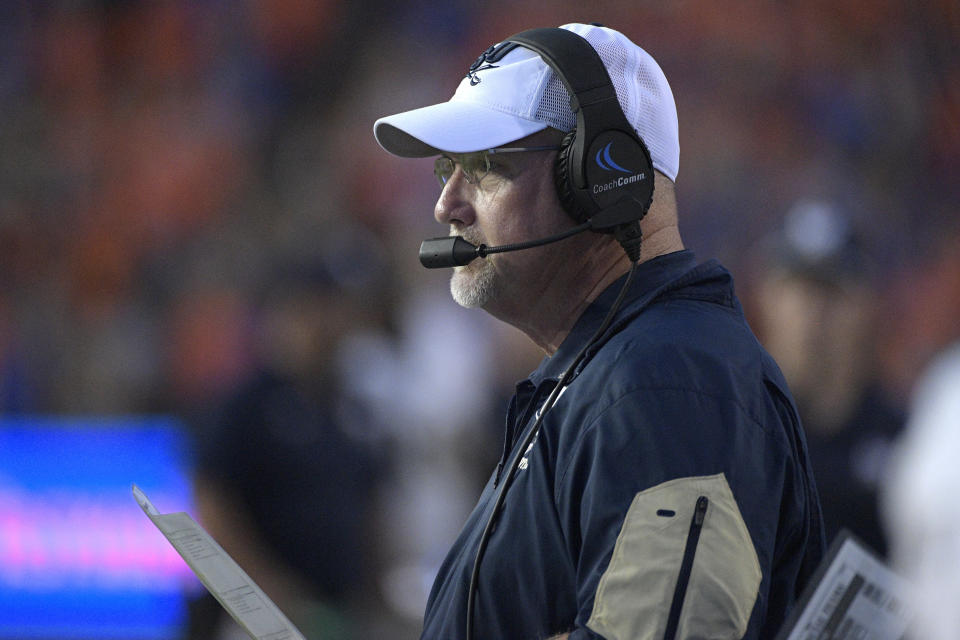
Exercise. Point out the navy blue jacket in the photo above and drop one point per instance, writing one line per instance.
(668, 492)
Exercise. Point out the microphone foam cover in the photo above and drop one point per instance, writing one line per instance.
(448, 251)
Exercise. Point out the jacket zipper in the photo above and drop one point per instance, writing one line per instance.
(686, 566)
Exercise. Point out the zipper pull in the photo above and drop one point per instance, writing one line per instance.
(701, 511)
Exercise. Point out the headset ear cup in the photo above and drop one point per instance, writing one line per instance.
(564, 180)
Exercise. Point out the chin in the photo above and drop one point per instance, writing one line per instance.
(473, 288)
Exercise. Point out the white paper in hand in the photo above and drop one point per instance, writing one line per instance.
(222, 577)
(853, 594)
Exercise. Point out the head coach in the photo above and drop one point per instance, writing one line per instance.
(654, 481)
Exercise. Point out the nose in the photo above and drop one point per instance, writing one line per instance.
(453, 207)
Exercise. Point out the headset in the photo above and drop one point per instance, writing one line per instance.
(605, 182)
(602, 161)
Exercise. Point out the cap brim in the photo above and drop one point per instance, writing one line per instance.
(454, 127)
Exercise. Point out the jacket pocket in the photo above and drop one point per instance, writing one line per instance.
(683, 566)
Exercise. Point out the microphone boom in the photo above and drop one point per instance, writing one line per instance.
(454, 251)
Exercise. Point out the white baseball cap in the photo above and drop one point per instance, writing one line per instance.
(521, 95)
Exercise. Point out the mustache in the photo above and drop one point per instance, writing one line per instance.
(472, 236)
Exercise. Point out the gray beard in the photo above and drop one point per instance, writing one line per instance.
(474, 288)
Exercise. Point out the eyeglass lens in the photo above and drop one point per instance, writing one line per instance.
(475, 167)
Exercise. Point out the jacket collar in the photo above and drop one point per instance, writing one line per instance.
(664, 274)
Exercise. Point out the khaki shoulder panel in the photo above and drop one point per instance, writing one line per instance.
(634, 595)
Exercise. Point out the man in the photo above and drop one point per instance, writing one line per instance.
(817, 312)
(656, 484)
(920, 500)
(919, 496)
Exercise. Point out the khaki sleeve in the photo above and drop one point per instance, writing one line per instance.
(635, 593)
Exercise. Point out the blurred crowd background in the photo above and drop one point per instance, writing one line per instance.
(196, 220)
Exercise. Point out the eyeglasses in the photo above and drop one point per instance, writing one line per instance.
(475, 165)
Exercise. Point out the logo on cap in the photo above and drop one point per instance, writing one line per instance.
(492, 54)
(606, 162)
